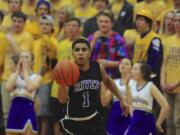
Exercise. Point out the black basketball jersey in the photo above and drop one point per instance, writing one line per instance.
(83, 96)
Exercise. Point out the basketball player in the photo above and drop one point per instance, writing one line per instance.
(141, 94)
(22, 85)
(82, 117)
(116, 123)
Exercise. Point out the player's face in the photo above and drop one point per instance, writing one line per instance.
(42, 10)
(141, 25)
(169, 21)
(14, 5)
(81, 53)
(17, 24)
(104, 24)
(125, 66)
(136, 71)
(46, 27)
(177, 23)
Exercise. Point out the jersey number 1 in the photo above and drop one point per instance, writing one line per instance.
(86, 99)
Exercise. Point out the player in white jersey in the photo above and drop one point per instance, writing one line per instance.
(22, 85)
(141, 93)
(116, 122)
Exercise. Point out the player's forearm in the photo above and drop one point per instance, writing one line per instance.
(105, 95)
(163, 115)
(62, 94)
(113, 88)
(108, 63)
(11, 82)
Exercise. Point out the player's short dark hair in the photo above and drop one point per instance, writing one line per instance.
(81, 40)
(1, 15)
(19, 14)
(21, 1)
(74, 19)
(145, 70)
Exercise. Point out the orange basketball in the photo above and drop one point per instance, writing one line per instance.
(66, 73)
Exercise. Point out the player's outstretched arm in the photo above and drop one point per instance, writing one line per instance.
(109, 83)
(105, 96)
(164, 106)
(63, 94)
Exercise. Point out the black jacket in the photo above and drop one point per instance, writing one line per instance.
(125, 19)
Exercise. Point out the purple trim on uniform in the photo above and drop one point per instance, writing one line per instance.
(142, 123)
(117, 123)
(21, 113)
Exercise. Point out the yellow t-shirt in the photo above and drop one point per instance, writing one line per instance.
(4, 6)
(75, 3)
(39, 58)
(156, 7)
(2, 53)
(7, 23)
(130, 36)
(29, 10)
(64, 52)
(55, 6)
(169, 3)
(165, 38)
(172, 53)
(24, 41)
(133, 2)
(32, 26)
(85, 14)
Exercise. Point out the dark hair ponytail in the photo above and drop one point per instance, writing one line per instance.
(145, 71)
